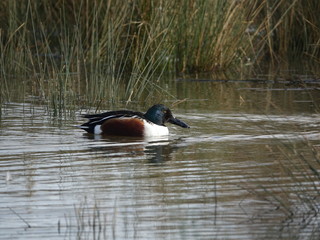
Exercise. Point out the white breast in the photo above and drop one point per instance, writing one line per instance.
(151, 129)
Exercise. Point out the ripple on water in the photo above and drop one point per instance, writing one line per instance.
(197, 184)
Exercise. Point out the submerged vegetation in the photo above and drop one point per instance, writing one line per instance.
(73, 53)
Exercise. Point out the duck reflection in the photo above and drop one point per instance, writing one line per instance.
(159, 153)
(156, 149)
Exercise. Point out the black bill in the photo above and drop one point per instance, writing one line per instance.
(178, 122)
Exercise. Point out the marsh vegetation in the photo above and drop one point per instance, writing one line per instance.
(75, 53)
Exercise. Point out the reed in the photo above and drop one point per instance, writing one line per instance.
(208, 35)
(76, 53)
(297, 201)
(285, 30)
(87, 223)
(303, 201)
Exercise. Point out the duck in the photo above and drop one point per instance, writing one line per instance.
(131, 123)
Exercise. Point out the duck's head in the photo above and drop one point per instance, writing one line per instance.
(160, 114)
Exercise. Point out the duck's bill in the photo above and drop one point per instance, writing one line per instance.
(178, 122)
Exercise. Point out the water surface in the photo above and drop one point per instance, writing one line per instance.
(233, 175)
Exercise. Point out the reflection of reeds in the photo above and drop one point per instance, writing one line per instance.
(295, 195)
(112, 50)
(302, 195)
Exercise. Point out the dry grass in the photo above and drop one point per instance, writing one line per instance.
(74, 53)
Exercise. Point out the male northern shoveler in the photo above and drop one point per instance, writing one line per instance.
(130, 123)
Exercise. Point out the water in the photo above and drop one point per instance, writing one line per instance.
(237, 173)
